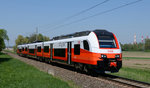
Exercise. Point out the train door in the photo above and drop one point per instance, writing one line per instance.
(69, 46)
(36, 50)
(51, 51)
(28, 50)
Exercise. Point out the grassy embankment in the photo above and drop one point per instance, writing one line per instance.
(135, 73)
(135, 58)
(17, 74)
(10, 51)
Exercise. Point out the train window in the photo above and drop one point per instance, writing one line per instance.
(106, 39)
(39, 49)
(108, 42)
(31, 50)
(46, 49)
(86, 45)
(60, 52)
(77, 49)
(19, 50)
(26, 49)
(22, 49)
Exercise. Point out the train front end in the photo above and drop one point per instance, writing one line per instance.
(110, 59)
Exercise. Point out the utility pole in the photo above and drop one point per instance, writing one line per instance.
(36, 33)
(134, 39)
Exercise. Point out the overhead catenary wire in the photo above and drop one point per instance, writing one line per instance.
(79, 13)
(86, 10)
(100, 13)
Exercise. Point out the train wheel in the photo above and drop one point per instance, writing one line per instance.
(80, 67)
(40, 59)
(85, 69)
(76, 67)
(49, 61)
(45, 60)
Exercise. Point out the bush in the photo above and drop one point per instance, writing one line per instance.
(133, 47)
(2, 44)
(147, 45)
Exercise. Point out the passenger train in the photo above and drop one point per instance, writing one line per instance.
(98, 50)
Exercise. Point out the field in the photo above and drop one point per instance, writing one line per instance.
(136, 65)
(136, 54)
(136, 60)
(17, 74)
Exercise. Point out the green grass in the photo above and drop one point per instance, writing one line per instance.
(9, 51)
(17, 74)
(135, 58)
(134, 73)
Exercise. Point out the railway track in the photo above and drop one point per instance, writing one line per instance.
(125, 81)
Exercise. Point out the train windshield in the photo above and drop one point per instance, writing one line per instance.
(107, 41)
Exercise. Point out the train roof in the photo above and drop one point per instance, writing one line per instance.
(79, 34)
(103, 32)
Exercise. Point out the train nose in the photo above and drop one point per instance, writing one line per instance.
(113, 64)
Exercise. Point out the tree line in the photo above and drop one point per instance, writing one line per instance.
(29, 39)
(137, 47)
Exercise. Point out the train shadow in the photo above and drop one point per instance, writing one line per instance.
(62, 65)
(108, 76)
(72, 68)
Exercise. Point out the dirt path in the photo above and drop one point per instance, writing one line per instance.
(68, 74)
(136, 54)
(137, 63)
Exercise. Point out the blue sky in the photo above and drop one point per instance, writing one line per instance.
(23, 16)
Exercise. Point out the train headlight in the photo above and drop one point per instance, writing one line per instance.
(117, 56)
(103, 56)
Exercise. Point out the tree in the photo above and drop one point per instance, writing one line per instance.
(3, 36)
(40, 37)
(147, 45)
(21, 40)
(2, 44)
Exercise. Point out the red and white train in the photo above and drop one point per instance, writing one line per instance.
(98, 50)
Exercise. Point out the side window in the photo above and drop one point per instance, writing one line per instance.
(19, 50)
(86, 45)
(26, 49)
(77, 49)
(46, 49)
(60, 52)
(22, 49)
(31, 51)
(39, 49)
